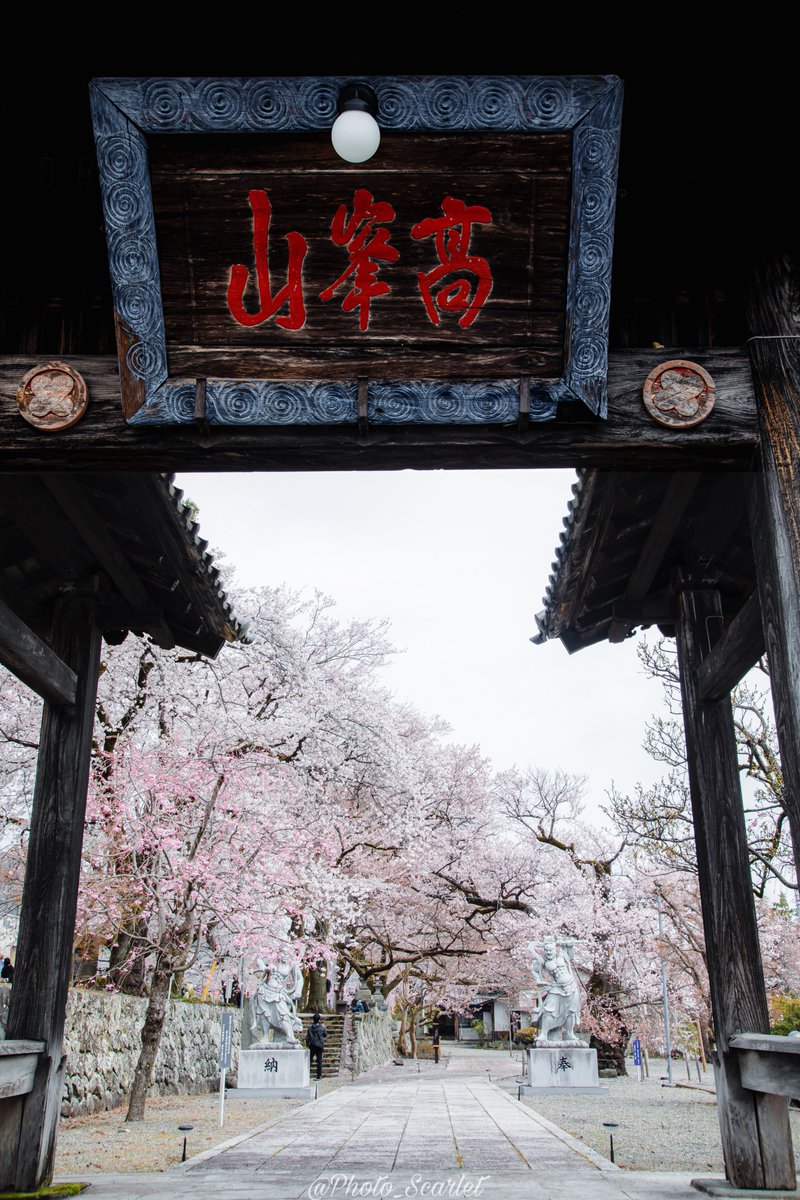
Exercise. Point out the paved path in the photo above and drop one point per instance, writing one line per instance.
(446, 1131)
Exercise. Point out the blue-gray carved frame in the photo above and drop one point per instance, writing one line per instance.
(124, 111)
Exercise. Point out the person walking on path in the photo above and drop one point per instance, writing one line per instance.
(315, 1040)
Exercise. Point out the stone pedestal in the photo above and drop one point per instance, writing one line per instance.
(561, 1069)
(275, 1073)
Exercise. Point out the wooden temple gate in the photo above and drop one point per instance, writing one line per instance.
(686, 512)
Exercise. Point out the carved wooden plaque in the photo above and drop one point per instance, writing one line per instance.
(679, 394)
(463, 272)
(52, 396)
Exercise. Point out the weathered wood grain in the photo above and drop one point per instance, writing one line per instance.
(50, 895)
(774, 317)
(774, 1073)
(739, 649)
(587, 112)
(755, 1130)
(628, 439)
(17, 1074)
(678, 496)
(204, 226)
(26, 656)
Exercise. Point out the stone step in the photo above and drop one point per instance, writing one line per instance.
(332, 1053)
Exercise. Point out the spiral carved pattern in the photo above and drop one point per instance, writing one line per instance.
(122, 109)
(445, 103)
(597, 198)
(598, 148)
(165, 103)
(315, 103)
(393, 403)
(592, 303)
(590, 358)
(139, 304)
(595, 256)
(496, 103)
(168, 404)
(295, 104)
(129, 259)
(176, 401)
(122, 157)
(431, 402)
(548, 103)
(398, 106)
(543, 404)
(147, 360)
(222, 102)
(273, 403)
(127, 208)
(594, 184)
(266, 104)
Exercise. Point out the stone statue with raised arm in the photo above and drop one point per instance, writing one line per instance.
(559, 1004)
(274, 1009)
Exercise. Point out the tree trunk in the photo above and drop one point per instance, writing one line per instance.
(151, 1037)
(126, 968)
(342, 976)
(610, 1052)
(610, 1055)
(402, 1033)
(315, 996)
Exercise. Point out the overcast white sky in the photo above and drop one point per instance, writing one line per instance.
(458, 561)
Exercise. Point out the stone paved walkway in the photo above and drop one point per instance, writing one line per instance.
(446, 1130)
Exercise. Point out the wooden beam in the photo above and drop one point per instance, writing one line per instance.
(670, 513)
(26, 656)
(49, 901)
(49, 531)
(629, 439)
(756, 1140)
(769, 1063)
(644, 612)
(739, 649)
(774, 319)
(72, 501)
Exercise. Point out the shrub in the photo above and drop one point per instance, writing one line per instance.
(785, 1013)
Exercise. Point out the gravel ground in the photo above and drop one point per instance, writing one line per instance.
(104, 1142)
(659, 1128)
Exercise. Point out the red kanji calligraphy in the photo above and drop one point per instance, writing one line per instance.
(290, 294)
(452, 233)
(367, 246)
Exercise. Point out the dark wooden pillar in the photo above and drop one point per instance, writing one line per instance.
(756, 1140)
(774, 318)
(44, 949)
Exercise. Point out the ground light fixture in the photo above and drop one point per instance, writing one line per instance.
(355, 134)
(611, 1126)
(185, 1130)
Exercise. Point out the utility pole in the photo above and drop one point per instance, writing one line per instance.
(664, 994)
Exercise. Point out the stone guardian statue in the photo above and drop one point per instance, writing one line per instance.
(274, 1008)
(559, 1004)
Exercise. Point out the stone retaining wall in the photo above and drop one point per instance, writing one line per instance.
(374, 1044)
(103, 1039)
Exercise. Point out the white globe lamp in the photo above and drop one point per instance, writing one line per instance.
(355, 134)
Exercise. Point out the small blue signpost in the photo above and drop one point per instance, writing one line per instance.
(637, 1056)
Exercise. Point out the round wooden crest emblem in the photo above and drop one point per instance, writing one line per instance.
(679, 393)
(52, 396)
